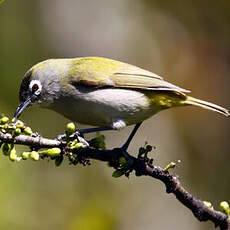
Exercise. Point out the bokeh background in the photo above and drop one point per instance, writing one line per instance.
(186, 42)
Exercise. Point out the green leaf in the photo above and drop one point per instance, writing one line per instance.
(122, 161)
(98, 142)
(118, 173)
(58, 160)
(6, 148)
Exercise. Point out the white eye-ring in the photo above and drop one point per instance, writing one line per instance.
(35, 87)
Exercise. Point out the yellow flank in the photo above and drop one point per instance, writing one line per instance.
(164, 100)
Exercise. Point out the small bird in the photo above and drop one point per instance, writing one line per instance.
(102, 92)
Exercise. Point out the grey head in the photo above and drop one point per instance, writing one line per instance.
(41, 84)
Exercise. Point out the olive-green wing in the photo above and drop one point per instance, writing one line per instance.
(103, 72)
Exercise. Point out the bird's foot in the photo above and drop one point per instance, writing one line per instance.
(60, 137)
(124, 163)
(75, 136)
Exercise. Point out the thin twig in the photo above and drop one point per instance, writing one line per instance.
(141, 167)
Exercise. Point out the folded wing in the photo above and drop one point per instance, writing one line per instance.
(101, 72)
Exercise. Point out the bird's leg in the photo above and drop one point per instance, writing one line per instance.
(80, 132)
(92, 130)
(122, 151)
(126, 145)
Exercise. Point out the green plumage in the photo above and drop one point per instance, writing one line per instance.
(102, 92)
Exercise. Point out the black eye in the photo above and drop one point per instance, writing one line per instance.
(35, 87)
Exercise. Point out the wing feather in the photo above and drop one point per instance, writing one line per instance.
(102, 72)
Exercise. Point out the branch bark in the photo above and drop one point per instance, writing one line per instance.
(141, 167)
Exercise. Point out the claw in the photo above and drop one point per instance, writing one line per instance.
(60, 137)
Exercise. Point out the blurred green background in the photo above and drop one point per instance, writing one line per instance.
(187, 42)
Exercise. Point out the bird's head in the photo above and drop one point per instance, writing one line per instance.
(41, 84)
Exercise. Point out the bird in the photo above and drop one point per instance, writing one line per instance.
(103, 93)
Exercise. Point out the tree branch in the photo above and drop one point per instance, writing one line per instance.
(140, 165)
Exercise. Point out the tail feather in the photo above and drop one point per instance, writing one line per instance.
(206, 105)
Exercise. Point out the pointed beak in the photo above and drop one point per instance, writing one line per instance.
(22, 106)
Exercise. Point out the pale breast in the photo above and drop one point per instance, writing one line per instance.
(102, 107)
